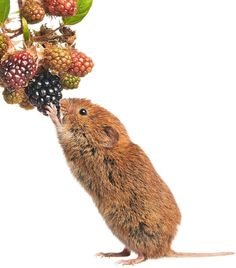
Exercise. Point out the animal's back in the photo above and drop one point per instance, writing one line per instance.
(140, 209)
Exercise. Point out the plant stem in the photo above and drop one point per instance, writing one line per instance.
(48, 36)
(20, 5)
(10, 31)
(16, 34)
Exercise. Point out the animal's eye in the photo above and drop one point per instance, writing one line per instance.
(83, 111)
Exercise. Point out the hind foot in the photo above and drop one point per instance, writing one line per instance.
(124, 253)
(139, 259)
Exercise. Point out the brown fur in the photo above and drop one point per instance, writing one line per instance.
(134, 201)
(132, 198)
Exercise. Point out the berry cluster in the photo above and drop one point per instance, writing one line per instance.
(35, 75)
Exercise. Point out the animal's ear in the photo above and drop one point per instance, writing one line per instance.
(111, 137)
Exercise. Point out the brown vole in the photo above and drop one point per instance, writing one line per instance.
(134, 201)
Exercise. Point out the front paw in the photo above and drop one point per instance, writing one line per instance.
(52, 112)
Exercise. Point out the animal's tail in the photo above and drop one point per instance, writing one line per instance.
(172, 253)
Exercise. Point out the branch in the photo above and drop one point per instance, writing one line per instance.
(20, 31)
(20, 3)
(10, 31)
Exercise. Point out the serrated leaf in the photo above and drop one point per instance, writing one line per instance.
(4, 10)
(26, 32)
(83, 9)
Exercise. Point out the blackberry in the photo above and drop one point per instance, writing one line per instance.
(17, 69)
(43, 89)
(69, 81)
(81, 64)
(64, 8)
(33, 11)
(57, 58)
(13, 97)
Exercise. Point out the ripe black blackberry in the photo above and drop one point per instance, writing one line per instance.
(43, 89)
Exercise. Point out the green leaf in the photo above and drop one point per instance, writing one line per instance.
(83, 9)
(26, 32)
(4, 10)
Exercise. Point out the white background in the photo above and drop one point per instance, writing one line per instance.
(167, 70)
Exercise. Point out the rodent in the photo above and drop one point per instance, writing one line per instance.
(134, 201)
